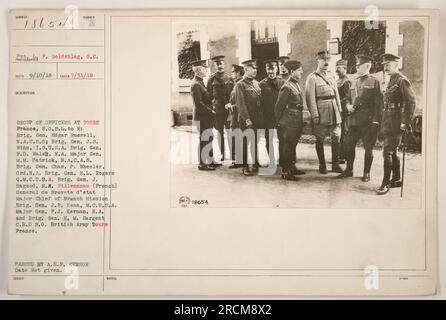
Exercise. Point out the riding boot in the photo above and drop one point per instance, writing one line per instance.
(368, 159)
(321, 157)
(395, 182)
(335, 157)
(384, 188)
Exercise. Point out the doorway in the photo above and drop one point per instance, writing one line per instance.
(264, 44)
(263, 52)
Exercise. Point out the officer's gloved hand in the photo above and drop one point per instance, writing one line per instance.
(249, 123)
(316, 120)
(405, 128)
(349, 108)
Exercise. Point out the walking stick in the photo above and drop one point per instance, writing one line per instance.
(404, 162)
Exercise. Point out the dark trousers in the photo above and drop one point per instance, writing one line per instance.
(290, 138)
(219, 124)
(250, 146)
(232, 143)
(205, 157)
(391, 158)
(368, 134)
(344, 129)
(281, 135)
(234, 125)
(269, 141)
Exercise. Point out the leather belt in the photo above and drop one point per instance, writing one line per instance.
(325, 98)
(297, 108)
(392, 105)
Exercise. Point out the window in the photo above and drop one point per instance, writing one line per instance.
(188, 51)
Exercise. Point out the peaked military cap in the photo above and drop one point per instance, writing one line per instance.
(388, 57)
(250, 63)
(218, 58)
(270, 62)
(360, 59)
(237, 68)
(292, 65)
(199, 63)
(324, 54)
(282, 59)
(341, 63)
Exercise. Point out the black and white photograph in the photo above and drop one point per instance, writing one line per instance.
(298, 113)
(223, 152)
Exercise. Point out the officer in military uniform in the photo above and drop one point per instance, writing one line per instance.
(219, 87)
(247, 96)
(288, 113)
(237, 75)
(203, 114)
(343, 84)
(364, 106)
(270, 87)
(399, 106)
(282, 70)
(324, 104)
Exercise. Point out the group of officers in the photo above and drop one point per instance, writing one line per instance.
(346, 110)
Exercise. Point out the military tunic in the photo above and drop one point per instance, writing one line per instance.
(232, 101)
(248, 100)
(366, 98)
(219, 87)
(289, 105)
(203, 110)
(270, 92)
(399, 104)
(323, 98)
